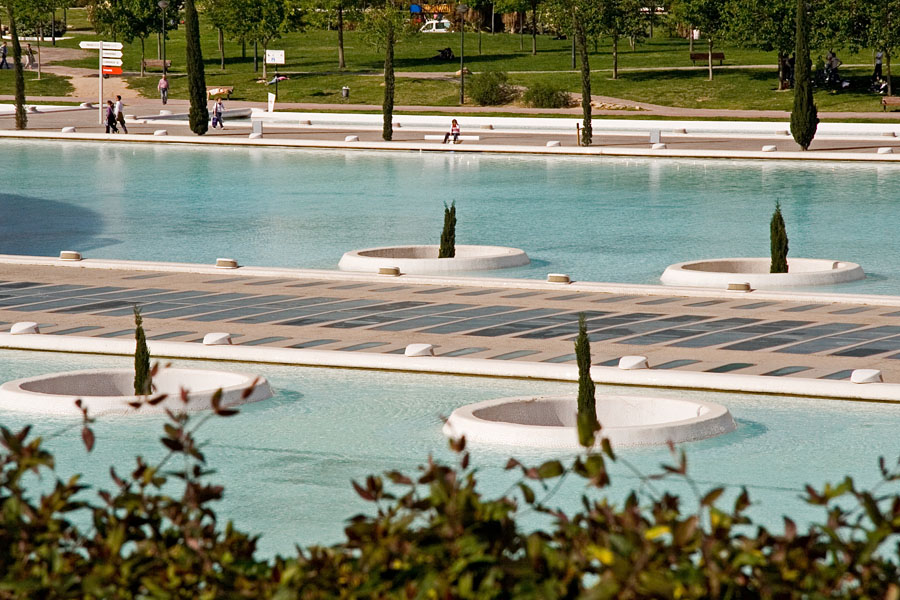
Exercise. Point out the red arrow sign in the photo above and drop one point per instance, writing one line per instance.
(112, 70)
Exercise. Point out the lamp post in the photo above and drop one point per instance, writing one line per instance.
(461, 10)
(163, 4)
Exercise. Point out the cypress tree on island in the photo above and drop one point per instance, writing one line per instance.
(198, 115)
(142, 379)
(21, 117)
(804, 117)
(448, 235)
(587, 407)
(779, 242)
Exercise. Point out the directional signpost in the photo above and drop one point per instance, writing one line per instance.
(110, 56)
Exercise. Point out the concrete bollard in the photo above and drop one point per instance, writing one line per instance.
(866, 376)
(558, 278)
(68, 130)
(395, 271)
(351, 138)
(24, 327)
(553, 144)
(631, 363)
(69, 255)
(769, 148)
(255, 136)
(658, 146)
(160, 132)
(885, 150)
(739, 287)
(226, 263)
(419, 350)
(217, 339)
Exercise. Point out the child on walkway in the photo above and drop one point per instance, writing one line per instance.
(218, 109)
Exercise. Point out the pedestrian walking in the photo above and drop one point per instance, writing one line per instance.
(218, 109)
(163, 88)
(29, 53)
(111, 118)
(879, 56)
(120, 113)
(4, 50)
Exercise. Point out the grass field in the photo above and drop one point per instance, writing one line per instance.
(48, 85)
(651, 73)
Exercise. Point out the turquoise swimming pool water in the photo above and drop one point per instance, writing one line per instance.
(597, 219)
(287, 462)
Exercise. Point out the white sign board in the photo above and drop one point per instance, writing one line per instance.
(111, 62)
(111, 54)
(90, 45)
(271, 102)
(112, 45)
(274, 57)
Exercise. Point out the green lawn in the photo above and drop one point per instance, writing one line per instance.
(49, 85)
(314, 77)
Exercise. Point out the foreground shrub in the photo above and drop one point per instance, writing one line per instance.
(547, 95)
(490, 88)
(431, 535)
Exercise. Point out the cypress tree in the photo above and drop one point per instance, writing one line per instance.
(448, 235)
(142, 378)
(198, 115)
(387, 107)
(779, 242)
(587, 407)
(21, 117)
(581, 42)
(804, 117)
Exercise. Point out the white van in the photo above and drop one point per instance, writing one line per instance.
(436, 27)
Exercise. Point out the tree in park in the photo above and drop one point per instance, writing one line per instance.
(129, 19)
(335, 13)
(143, 383)
(617, 19)
(198, 116)
(448, 234)
(882, 30)
(804, 117)
(12, 6)
(709, 17)
(587, 404)
(778, 242)
(231, 18)
(768, 25)
(270, 20)
(383, 27)
(33, 15)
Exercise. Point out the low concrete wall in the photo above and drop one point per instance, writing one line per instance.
(110, 391)
(424, 259)
(550, 421)
(719, 272)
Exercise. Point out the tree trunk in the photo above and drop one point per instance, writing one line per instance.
(521, 31)
(222, 48)
(387, 107)
(887, 58)
(243, 49)
(615, 53)
(198, 115)
(340, 28)
(782, 70)
(581, 42)
(40, 37)
(265, 66)
(690, 38)
(493, 18)
(709, 44)
(142, 56)
(53, 26)
(21, 117)
(533, 27)
(255, 56)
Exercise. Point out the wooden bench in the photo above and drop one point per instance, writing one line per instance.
(890, 101)
(219, 90)
(704, 57)
(158, 64)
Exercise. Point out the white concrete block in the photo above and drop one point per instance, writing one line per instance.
(739, 287)
(160, 132)
(394, 271)
(69, 255)
(419, 350)
(769, 148)
(217, 339)
(866, 376)
(630, 363)
(68, 130)
(24, 327)
(351, 138)
(226, 263)
(165, 112)
(558, 278)
(255, 136)
(86, 105)
(885, 151)
(658, 146)
(553, 143)
(654, 136)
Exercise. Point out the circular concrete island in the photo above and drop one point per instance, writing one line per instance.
(423, 260)
(110, 390)
(550, 421)
(725, 272)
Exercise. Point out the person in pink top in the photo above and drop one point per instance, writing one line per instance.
(163, 88)
(454, 131)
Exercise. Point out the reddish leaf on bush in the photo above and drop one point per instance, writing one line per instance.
(88, 437)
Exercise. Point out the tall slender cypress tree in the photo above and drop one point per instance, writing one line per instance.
(587, 407)
(778, 242)
(448, 235)
(387, 107)
(804, 117)
(21, 117)
(581, 41)
(198, 115)
(142, 378)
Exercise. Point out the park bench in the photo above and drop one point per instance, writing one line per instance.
(467, 138)
(157, 64)
(219, 90)
(890, 101)
(704, 57)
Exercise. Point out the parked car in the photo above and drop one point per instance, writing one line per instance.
(436, 27)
